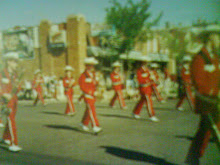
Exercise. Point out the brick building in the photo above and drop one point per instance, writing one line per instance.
(52, 58)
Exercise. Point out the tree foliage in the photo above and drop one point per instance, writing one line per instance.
(130, 22)
(175, 42)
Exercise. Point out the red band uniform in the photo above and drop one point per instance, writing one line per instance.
(68, 84)
(206, 79)
(117, 86)
(143, 77)
(37, 86)
(187, 86)
(7, 84)
(88, 83)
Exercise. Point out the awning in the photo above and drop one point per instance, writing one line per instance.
(93, 51)
(158, 57)
(100, 52)
(133, 55)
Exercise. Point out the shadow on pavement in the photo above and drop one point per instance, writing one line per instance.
(65, 127)
(116, 116)
(53, 113)
(134, 155)
(212, 140)
(121, 116)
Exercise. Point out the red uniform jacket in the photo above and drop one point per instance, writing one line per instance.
(67, 87)
(186, 76)
(6, 83)
(143, 77)
(37, 84)
(116, 81)
(206, 77)
(88, 83)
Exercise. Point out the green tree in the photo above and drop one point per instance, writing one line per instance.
(130, 22)
(175, 41)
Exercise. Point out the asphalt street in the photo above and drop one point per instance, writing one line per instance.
(49, 137)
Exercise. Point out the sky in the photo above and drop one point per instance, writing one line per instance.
(31, 12)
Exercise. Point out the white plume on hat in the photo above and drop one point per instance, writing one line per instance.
(90, 60)
(37, 71)
(68, 67)
(116, 64)
(11, 55)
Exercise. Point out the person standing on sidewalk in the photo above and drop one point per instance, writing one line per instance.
(10, 85)
(68, 83)
(37, 86)
(185, 84)
(117, 84)
(144, 80)
(205, 72)
(88, 84)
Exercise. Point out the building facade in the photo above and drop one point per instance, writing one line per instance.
(54, 46)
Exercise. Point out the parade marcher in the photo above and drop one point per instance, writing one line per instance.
(28, 90)
(117, 84)
(68, 83)
(166, 83)
(37, 86)
(88, 84)
(185, 84)
(144, 80)
(205, 72)
(155, 82)
(10, 85)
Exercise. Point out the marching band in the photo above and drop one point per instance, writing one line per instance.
(202, 73)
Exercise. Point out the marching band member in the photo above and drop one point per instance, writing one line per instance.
(68, 83)
(9, 87)
(186, 82)
(155, 82)
(117, 86)
(37, 85)
(144, 80)
(88, 84)
(205, 72)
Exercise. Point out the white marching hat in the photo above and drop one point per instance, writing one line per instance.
(210, 29)
(70, 68)
(116, 64)
(154, 65)
(91, 60)
(213, 28)
(11, 55)
(194, 48)
(37, 71)
(187, 58)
